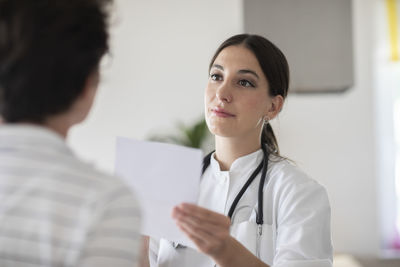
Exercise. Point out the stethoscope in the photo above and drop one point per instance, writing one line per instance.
(262, 167)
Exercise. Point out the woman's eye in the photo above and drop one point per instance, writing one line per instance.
(215, 77)
(245, 83)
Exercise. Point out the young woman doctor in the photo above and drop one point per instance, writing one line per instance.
(255, 208)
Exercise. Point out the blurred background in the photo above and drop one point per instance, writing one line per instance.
(345, 136)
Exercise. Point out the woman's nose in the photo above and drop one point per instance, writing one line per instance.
(224, 93)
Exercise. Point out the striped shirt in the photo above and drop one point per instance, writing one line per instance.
(56, 210)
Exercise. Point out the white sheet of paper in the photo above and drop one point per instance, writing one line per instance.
(162, 176)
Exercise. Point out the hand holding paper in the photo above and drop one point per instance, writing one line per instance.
(162, 176)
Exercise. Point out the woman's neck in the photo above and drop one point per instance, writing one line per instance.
(227, 149)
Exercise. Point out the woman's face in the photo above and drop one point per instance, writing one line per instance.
(236, 97)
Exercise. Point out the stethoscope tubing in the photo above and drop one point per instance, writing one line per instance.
(263, 167)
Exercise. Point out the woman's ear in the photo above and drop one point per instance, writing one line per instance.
(276, 106)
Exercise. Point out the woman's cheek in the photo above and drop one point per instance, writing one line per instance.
(254, 104)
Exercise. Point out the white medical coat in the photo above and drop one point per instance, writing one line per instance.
(296, 230)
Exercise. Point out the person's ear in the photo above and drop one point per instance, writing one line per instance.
(276, 106)
(91, 84)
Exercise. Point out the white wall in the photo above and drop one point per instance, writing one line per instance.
(161, 51)
(332, 138)
(158, 71)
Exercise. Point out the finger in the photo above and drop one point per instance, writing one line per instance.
(199, 211)
(210, 228)
(199, 242)
(200, 235)
(206, 243)
(203, 214)
(215, 225)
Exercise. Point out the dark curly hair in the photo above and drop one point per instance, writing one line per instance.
(48, 49)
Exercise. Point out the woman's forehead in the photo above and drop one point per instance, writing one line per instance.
(238, 57)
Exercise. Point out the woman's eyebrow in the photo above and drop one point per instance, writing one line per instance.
(244, 71)
(249, 72)
(218, 66)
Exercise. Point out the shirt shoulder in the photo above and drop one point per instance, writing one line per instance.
(99, 180)
(290, 189)
(115, 221)
(106, 187)
(284, 174)
(301, 208)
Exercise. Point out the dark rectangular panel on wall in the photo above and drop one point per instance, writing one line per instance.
(315, 36)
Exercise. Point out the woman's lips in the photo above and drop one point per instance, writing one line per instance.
(220, 112)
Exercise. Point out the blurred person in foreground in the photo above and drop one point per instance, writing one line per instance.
(56, 210)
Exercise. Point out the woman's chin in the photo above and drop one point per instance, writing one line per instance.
(223, 128)
(222, 131)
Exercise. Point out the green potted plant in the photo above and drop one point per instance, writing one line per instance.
(195, 135)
